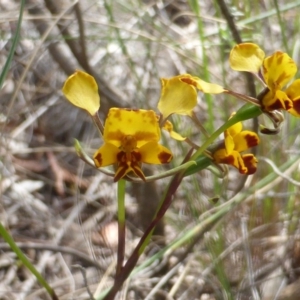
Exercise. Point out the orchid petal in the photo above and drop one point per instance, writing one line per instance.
(246, 57)
(81, 90)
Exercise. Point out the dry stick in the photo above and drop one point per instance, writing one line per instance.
(45, 33)
(249, 78)
(79, 52)
(78, 49)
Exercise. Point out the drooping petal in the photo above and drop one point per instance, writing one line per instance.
(121, 171)
(246, 57)
(250, 161)
(141, 124)
(233, 159)
(154, 153)
(125, 166)
(177, 96)
(245, 140)
(293, 92)
(278, 70)
(106, 155)
(203, 86)
(276, 100)
(81, 90)
(168, 126)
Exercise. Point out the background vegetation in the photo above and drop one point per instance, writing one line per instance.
(223, 238)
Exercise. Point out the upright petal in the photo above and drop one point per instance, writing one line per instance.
(278, 70)
(246, 57)
(177, 96)
(81, 90)
(140, 124)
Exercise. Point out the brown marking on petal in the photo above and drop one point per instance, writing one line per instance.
(116, 114)
(98, 160)
(146, 136)
(114, 135)
(269, 61)
(138, 171)
(250, 162)
(279, 58)
(276, 105)
(288, 104)
(296, 105)
(121, 172)
(189, 81)
(229, 160)
(252, 140)
(136, 156)
(283, 76)
(164, 157)
(121, 157)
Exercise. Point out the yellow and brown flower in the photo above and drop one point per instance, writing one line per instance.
(237, 141)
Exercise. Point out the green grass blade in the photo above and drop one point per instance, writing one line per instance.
(13, 47)
(9, 240)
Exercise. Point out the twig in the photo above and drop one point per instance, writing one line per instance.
(83, 272)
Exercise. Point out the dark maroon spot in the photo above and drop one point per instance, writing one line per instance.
(229, 160)
(121, 157)
(288, 104)
(276, 105)
(252, 140)
(98, 159)
(136, 156)
(250, 163)
(164, 157)
(297, 105)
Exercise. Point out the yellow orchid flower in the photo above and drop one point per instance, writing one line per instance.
(81, 90)
(179, 94)
(131, 138)
(237, 141)
(277, 70)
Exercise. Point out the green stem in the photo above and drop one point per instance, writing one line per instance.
(9, 240)
(139, 249)
(121, 225)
